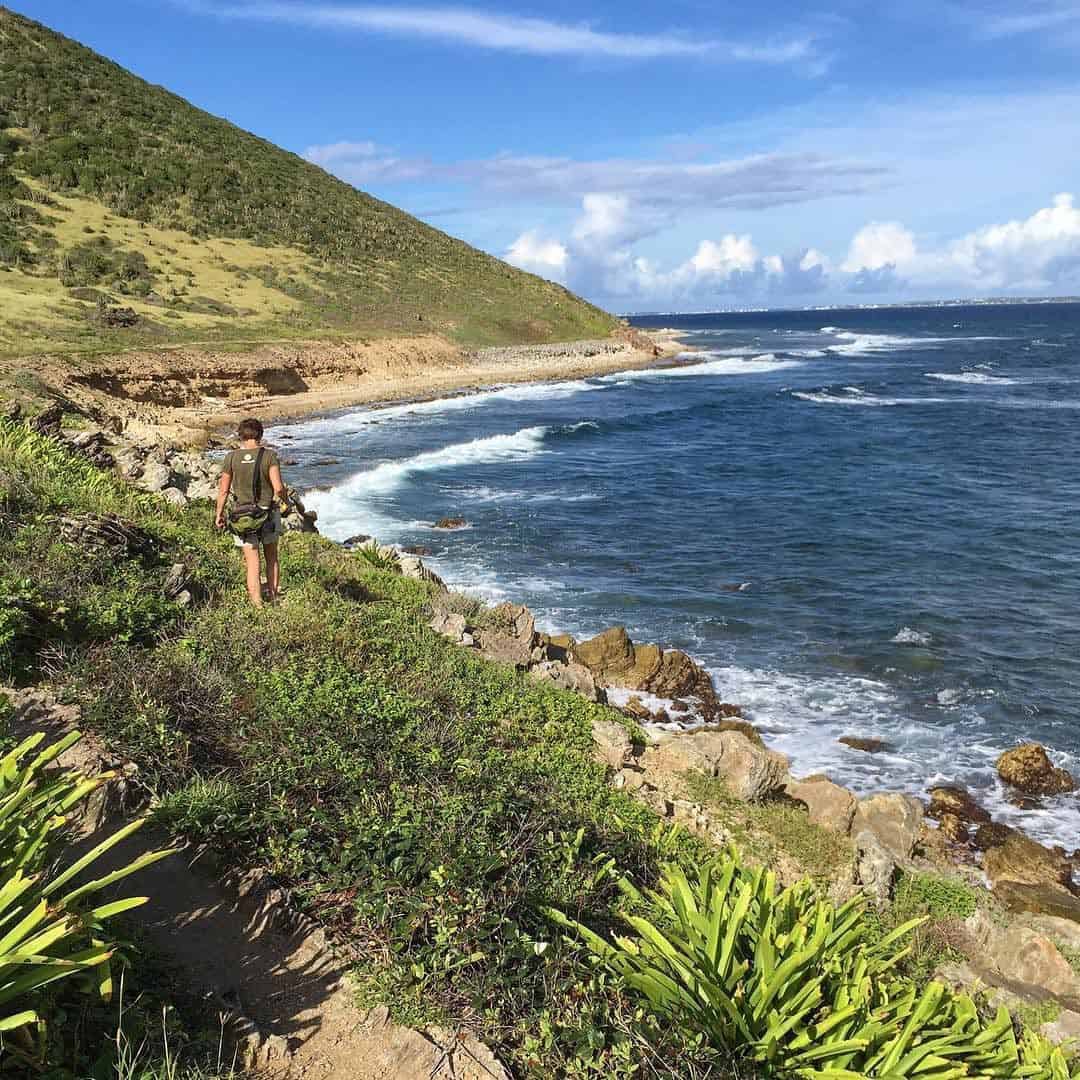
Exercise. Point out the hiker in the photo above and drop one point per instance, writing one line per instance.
(252, 474)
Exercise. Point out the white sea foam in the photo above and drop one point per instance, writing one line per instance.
(351, 507)
(977, 378)
(350, 423)
(725, 364)
(855, 396)
(907, 636)
(856, 344)
(803, 716)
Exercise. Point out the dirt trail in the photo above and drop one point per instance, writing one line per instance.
(239, 945)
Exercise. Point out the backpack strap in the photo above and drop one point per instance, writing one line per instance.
(256, 486)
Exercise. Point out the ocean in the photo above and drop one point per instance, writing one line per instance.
(862, 522)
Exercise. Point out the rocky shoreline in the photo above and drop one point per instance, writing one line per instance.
(1024, 947)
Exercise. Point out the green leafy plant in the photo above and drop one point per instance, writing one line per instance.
(49, 927)
(376, 557)
(801, 986)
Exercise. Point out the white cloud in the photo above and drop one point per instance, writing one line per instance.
(518, 34)
(538, 254)
(1034, 255)
(757, 181)
(879, 245)
(1033, 17)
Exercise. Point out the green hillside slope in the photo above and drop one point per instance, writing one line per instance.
(117, 193)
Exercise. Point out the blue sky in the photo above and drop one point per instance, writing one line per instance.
(682, 155)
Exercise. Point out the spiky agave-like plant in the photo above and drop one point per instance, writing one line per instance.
(50, 928)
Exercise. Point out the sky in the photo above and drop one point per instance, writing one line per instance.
(679, 156)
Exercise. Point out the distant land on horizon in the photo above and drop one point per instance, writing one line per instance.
(997, 301)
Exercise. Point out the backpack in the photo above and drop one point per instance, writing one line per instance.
(247, 518)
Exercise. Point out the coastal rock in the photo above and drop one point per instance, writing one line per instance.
(567, 676)
(1066, 1028)
(868, 746)
(635, 709)
(412, 567)
(875, 867)
(356, 541)
(894, 819)
(953, 828)
(450, 624)
(414, 549)
(1017, 858)
(615, 660)
(508, 636)
(1024, 955)
(614, 747)
(156, 476)
(744, 727)
(1030, 770)
(48, 421)
(175, 496)
(1064, 932)
(955, 801)
(828, 804)
(451, 523)
(1046, 900)
(749, 772)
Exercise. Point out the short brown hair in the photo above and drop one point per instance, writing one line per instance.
(250, 429)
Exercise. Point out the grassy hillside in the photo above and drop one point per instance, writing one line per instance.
(114, 192)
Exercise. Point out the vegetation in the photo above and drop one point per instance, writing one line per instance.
(768, 830)
(435, 812)
(52, 930)
(213, 233)
(803, 987)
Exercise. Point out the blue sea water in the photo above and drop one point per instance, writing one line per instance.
(862, 522)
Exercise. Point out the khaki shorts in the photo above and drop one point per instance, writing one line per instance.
(270, 533)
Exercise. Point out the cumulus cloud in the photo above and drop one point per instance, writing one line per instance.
(879, 245)
(518, 34)
(539, 254)
(1037, 254)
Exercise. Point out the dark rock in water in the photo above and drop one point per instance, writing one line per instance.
(451, 523)
(637, 709)
(417, 549)
(957, 802)
(1029, 769)
(356, 541)
(325, 461)
(290, 461)
(869, 746)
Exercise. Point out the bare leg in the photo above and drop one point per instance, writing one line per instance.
(254, 578)
(273, 569)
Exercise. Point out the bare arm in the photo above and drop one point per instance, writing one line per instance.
(277, 483)
(223, 488)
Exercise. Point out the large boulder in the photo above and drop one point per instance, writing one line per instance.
(1029, 769)
(875, 867)
(614, 747)
(749, 772)
(1024, 955)
(894, 819)
(1016, 857)
(828, 804)
(413, 567)
(156, 476)
(615, 660)
(949, 799)
(570, 676)
(508, 635)
(1066, 1028)
(1047, 900)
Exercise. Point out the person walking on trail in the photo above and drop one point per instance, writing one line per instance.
(252, 475)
